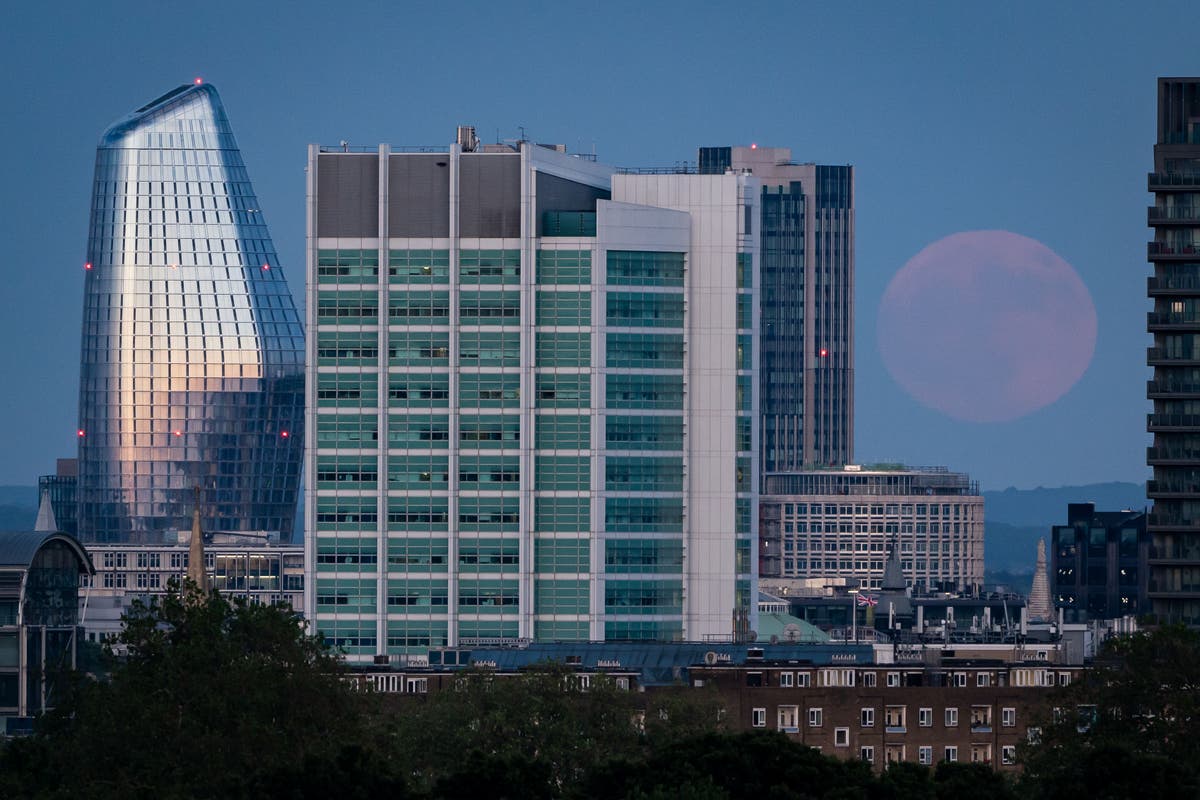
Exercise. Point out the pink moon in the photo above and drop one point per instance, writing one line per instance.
(986, 326)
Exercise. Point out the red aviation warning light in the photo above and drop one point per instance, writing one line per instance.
(79, 433)
(199, 81)
(87, 265)
(824, 352)
(179, 433)
(284, 434)
(266, 266)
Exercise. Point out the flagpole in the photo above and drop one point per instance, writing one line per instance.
(854, 615)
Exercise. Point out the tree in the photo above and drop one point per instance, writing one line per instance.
(1128, 727)
(207, 698)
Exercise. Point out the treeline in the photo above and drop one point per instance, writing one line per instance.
(213, 699)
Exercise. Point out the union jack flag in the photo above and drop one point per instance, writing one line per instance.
(867, 600)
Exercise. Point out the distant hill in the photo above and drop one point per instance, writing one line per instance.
(19, 496)
(1043, 506)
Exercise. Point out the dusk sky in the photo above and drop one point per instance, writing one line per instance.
(1032, 118)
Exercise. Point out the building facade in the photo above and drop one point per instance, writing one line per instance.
(806, 381)
(40, 574)
(838, 524)
(261, 572)
(191, 371)
(1099, 563)
(531, 392)
(1174, 288)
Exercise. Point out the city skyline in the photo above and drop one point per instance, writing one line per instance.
(1039, 127)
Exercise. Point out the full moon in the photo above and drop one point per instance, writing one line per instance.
(987, 326)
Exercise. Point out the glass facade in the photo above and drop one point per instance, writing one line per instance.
(806, 380)
(192, 353)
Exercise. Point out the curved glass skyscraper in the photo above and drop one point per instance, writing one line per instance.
(192, 370)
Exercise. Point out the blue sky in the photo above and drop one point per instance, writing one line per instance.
(1029, 117)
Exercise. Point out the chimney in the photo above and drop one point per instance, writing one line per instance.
(467, 141)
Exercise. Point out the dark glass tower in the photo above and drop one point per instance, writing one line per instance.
(192, 366)
(806, 323)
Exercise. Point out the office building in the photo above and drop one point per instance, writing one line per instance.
(1174, 524)
(260, 572)
(531, 396)
(837, 525)
(191, 371)
(1099, 563)
(806, 380)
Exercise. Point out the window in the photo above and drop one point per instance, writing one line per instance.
(960, 679)
(893, 679)
(758, 718)
(925, 717)
(786, 679)
(867, 754)
(951, 717)
(894, 718)
(868, 679)
(951, 754)
(1008, 754)
(788, 718)
(841, 737)
(1064, 679)
(981, 718)
(1008, 717)
(867, 717)
(815, 718)
(1033, 735)
(925, 755)
(983, 679)
(804, 679)
(981, 754)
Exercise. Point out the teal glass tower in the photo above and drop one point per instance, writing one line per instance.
(191, 371)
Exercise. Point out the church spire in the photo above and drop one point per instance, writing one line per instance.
(46, 521)
(197, 573)
(1039, 595)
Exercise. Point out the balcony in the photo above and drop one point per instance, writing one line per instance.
(1177, 215)
(1172, 320)
(1167, 490)
(1166, 423)
(1164, 455)
(1173, 181)
(1160, 387)
(1160, 251)
(1160, 520)
(1170, 356)
(1175, 552)
(1173, 285)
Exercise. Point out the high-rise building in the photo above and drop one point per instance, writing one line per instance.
(192, 359)
(531, 396)
(838, 524)
(806, 380)
(1099, 563)
(1174, 524)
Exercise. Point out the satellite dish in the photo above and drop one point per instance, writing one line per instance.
(774, 639)
(710, 658)
(752, 636)
(791, 632)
